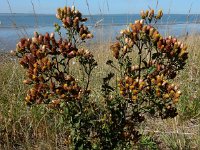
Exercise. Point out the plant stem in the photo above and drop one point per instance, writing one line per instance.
(88, 80)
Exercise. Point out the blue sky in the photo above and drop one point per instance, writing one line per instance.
(101, 6)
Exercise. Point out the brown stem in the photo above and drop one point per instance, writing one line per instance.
(140, 61)
(88, 81)
(140, 57)
(68, 66)
(57, 65)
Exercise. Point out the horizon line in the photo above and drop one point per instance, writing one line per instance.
(99, 13)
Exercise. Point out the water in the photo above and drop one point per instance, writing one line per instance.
(104, 27)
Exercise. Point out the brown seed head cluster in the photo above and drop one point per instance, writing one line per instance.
(149, 14)
(168, 47)
(46, 60)
(160, 59)
(54, 92)
(163, 89)
(166, 54)
(130, 88)
(72, 18)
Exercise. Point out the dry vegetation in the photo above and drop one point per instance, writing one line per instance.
(41, 128)
(38, 127)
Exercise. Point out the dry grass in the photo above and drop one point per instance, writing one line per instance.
(21, 126)
(182, 132)
(41, 128)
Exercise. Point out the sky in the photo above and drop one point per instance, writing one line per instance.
(101, 6)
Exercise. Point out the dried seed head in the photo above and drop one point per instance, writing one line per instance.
(125, 48)
(56, 102)
(28, 98)
(69, 11)
(160, 14)
(34, 40)
(151, 13)
(144, 28)
(83, 36)
(89, 36)
(151, 31)
(175, 100)
(166, 96)
(126, 40)
(142, 14)
(137, 21)
(134, 98)
(52, 35)
(142, 21)
(146, 13)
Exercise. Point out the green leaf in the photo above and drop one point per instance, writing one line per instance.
(151, 69)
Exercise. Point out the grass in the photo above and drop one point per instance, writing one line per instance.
(41, 128)
(21, 126)
(183, 132)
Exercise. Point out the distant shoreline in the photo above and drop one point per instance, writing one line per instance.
(53, 14)
(92, 25)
